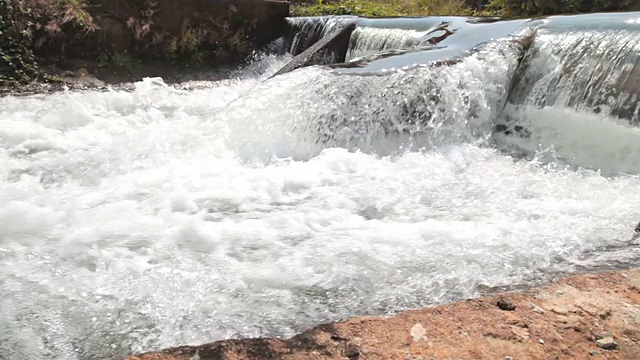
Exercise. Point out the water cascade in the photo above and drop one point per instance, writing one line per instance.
(577, 94)
(443, 155)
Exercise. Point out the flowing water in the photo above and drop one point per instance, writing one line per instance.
(142, 219)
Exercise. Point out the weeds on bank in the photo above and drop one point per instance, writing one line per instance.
(28, 25)
(118, 62)
(379, 8)
(508, 8)
(373, 8)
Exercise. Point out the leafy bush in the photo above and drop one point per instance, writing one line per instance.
(28, 25)
(17, 61)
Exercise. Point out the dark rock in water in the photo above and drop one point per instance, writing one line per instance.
(328, 50)
(636, 233)
(507, 129)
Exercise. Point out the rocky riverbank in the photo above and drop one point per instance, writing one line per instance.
(591, 316)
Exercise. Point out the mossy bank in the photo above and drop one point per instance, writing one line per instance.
(123, 38)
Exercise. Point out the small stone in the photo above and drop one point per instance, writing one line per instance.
(594, 353)
(607, 343)
(604, 334)
(541, 341)
(605, 314)
(505, 305)
(352, 352)
(508, 358)
(536, 308)
(560, 309)
(418, 332)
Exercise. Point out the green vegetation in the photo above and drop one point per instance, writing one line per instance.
(549, 7)
(33, 31)
(510, 8)
(26, 26)
(119, 62)
(380, 8)
(17, 61)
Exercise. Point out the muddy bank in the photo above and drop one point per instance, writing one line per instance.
(592, 316)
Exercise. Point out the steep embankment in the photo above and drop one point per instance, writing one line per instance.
(579, 317)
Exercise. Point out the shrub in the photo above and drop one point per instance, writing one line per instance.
(29, 25)
(17, 61)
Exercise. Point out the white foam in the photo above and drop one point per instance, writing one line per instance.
(298, 114)
(582, 139)
(20, 218)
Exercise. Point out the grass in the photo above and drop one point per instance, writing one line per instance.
(509, 8)
(381, 8)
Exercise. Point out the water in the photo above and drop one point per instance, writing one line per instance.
(370, 40)
(583, 69)
(305, 31)
(383, 115)
(143, 219)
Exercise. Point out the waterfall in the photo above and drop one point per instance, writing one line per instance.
(576, 97)
(305, 31)
(369, 40)
(587, 70)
